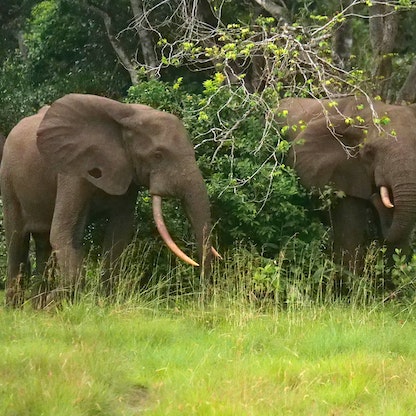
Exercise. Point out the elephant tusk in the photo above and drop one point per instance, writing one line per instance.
(216, 254)
(384, 194)
(164, 233)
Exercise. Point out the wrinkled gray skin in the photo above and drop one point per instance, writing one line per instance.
(86, 156)
(381, 155)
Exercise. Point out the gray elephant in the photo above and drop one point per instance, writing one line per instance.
(365, 149)
(86, 156)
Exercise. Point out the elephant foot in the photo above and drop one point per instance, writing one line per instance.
(14, 298)
(15, 294)
(55, 298)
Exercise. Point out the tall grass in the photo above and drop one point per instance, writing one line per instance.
(300, 276)
(261, 337)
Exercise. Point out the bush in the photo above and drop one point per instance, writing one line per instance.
(255, 197)
(63, 54)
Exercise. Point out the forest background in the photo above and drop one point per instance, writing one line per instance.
(221, 66)
(265, 336)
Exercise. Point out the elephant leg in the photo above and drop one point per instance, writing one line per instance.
(385, 214)
(17, 243)
(119, 233)
(43, 251)
(44, 269)
(18, 267)
(67, 229)
(349, 221)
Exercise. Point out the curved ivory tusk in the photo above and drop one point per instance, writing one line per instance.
(384, 194)
(216, 254)
(164, 233)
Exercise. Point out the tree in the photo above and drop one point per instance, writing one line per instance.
(12, 19)
(408, 91)
(343, 37)
(220, 65)
(63, 52)
(384, 21)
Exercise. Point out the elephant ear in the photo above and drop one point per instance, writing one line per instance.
(80, 136)
(323, 155)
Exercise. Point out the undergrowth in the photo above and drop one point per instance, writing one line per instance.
(302, 275)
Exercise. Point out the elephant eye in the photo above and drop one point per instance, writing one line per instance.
(128, 134)
(95, 173)
(158, 155)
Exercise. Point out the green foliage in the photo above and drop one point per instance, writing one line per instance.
(224, 85)
(80, 47)
(301, 274)
(16, 94)
(403, 272)
(255, 197)
(63, 53)
(161, 95)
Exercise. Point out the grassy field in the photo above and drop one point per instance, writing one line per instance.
(260, 340)
(211, 359)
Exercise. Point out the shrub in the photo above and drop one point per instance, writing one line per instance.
(255, 197)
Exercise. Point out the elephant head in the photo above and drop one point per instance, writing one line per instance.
(366, 149)
(112, 144)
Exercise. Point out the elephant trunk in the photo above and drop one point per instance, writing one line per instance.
(197, 207)
(404, 217)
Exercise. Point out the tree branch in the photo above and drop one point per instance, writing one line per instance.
(118, 48)
(278, 12)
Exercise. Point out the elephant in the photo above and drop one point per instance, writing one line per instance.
(87, 156)
(367, 150)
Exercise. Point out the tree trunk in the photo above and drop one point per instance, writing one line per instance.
(118, 48)
(408, 91)
(205, 13)
(341, 47)
(383, 31)
(21, 42)
(146, 41)
(276, 11)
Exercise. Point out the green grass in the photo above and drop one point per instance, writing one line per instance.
(264, 339)
(90, 360)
